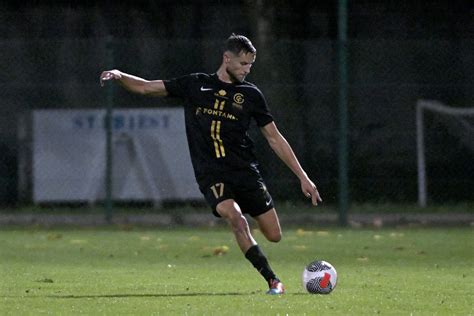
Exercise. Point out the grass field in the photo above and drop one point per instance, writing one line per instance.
(113, 271)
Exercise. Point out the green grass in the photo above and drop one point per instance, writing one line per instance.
(108, 271)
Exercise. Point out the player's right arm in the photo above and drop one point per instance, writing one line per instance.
(135, 84)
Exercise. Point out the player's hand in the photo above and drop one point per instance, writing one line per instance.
(310, 191)
(110, 75)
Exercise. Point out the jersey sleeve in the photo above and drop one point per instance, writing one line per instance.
(261, 112)
(178, 87)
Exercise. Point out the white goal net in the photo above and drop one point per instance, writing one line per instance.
(458, 121)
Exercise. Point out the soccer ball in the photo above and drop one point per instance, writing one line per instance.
(319, 277)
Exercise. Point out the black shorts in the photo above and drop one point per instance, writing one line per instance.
(246, 187)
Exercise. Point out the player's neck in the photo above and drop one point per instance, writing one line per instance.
(223, 75)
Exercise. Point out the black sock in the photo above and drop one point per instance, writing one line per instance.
(260, 262)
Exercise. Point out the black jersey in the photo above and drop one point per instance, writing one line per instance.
(218, 116)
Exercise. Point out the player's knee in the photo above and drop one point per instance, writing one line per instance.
(239, 222)
(274, 236)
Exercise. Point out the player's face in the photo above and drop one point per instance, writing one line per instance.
(238, 66)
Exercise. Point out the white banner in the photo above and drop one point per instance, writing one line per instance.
(151, 159)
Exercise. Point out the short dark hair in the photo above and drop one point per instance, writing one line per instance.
(238, 43)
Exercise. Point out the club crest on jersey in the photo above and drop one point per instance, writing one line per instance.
(238, 100)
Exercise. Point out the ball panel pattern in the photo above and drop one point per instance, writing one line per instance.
(319, 277)
(317, 266)
(314, 286)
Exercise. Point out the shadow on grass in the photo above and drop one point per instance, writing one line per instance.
(147, 295)
(157, 295)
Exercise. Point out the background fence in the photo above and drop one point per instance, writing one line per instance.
(387, 75)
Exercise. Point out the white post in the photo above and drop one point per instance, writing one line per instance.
(438, 107)
(420, 150)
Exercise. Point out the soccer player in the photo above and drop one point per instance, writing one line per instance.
(218, 110)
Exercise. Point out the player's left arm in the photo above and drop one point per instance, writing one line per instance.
(284, 151)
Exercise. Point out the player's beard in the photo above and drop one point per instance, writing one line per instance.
(233, 77)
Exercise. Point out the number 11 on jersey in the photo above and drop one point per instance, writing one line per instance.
(216, 136)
